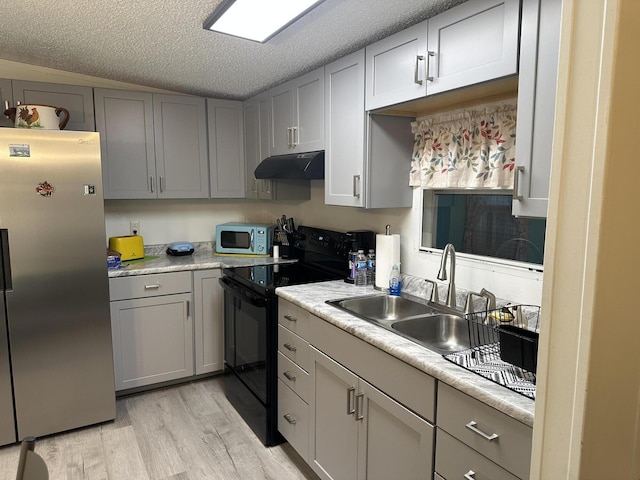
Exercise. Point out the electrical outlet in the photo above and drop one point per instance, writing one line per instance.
(134, 227)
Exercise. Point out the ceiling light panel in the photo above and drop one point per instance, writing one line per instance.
(257, 20)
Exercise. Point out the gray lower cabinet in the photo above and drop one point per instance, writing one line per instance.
(208, 334)
(366, 156)
(369, 414)
(473, 437)
(226, 148)
(76, 99)
(152, 328)
(293, 377)
(359, 432)
(153, 146)
(539, 48)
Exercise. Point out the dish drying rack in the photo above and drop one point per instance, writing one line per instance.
(504, 346)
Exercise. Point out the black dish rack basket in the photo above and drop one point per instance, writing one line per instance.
(503, 347)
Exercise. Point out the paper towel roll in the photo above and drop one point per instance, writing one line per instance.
(387, 253)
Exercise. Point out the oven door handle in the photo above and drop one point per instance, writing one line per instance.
(242, 293)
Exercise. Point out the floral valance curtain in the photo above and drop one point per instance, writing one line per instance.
(470, 149)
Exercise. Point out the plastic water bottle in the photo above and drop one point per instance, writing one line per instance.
(395, 281)
(371, 267)
(361, 269)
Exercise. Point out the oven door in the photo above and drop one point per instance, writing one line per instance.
(247, 316)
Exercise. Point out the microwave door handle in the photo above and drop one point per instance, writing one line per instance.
(251, 241)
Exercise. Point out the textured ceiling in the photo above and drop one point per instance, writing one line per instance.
(161, 43)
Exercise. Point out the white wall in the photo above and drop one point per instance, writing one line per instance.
(195, 220)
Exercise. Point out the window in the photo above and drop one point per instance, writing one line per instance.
(481, 224)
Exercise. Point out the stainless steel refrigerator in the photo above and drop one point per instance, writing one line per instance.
(56, 360)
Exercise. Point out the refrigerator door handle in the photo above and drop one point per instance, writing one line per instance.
(5, 261)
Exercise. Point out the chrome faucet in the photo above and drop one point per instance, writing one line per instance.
(442, 274)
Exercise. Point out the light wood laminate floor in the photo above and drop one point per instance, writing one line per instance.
(184, 432)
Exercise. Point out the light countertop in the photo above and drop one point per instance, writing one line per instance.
(203, 258)
(312, 297)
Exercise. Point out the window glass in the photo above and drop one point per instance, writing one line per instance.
(481, 224)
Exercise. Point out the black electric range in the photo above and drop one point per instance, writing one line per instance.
(251, 321)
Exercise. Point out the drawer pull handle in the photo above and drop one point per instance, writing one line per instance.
(359, 406)
(351, 409)
(472, 426)
(470, 475)
(291, 318)
(155, 286)
(289, 376)
(290, 347)
(289, 419)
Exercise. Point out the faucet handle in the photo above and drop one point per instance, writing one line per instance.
(491, 298)
(468, 306)
(434, 291)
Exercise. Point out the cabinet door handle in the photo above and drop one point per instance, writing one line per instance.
(289, 136)
(350, 401)
(154, 286)
(151, 184)
(472, 426)
(161, 182)
(291, 318)
(188, 309)
(289, 376)
(430, 54)
(356, 183)
(516, 177)
(419, 58)
(296, 137)
(290, 347)
(359, 406)
(289, 419)
(470, 475)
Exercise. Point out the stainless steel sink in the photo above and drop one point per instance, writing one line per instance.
(443, 332)
(382, 307)
(437, 327)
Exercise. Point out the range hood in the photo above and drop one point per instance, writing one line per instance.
(295, 166)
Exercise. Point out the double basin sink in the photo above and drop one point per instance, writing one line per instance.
(437, 327)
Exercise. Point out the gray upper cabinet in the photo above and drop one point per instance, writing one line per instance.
(153, 146)
(6, 100)
(256, 143)
(125, 122)
(180, 127)
(468, 44)
(296, 111)
(256, 149)
(366, 156)
(226, 148)
(396, 68)
(540, 39)
(78, 100)
(472, 43)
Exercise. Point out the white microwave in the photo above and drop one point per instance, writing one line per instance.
(244, 238)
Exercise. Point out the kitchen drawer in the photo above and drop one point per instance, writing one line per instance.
(293, 376)
(293, 347)
(294, 318)
(455, 460)
(293, 420)
(141, 286)
(459, 414)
